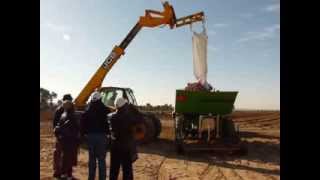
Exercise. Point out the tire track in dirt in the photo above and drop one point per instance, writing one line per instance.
(221, 175)
(158, 161)
(259, 115)
(235, 174)
(251, 173)
(212, 173)
(159, 167)
(227, 173)
(257, 120)
(266, 124)
(216, 170)
(260, 121)
(147, 166)
(205, 171)
(269, 177)
(238, 174)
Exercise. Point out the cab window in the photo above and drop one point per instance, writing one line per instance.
(109, 96)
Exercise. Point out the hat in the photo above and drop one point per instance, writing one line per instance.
(67, 97)
(95, 96)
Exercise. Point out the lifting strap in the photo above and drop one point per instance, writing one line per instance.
(204, 29)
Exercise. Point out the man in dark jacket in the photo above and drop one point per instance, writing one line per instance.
(95, 127)
(123, 149)
(67, 133)
(57, 155)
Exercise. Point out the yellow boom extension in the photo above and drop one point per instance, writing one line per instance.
(150, 19)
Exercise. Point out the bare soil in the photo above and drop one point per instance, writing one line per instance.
(260, 131)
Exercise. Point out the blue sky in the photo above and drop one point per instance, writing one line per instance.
(243, 48)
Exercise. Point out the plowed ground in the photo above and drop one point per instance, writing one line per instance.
(260, 133)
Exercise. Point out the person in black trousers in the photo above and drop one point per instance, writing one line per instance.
(68, 135)
(95, 127)
(57, 153)
(123, 148)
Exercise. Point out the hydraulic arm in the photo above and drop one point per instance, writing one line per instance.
(150, 19)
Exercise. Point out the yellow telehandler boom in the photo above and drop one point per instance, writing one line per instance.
(150, 19)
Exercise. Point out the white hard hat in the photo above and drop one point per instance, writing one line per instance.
(121, 102)
(95, 96)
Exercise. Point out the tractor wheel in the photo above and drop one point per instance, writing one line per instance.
(150, 130)
(139, 132)
(179, 135)
(228, 128)
(157, 126)
(179, 147)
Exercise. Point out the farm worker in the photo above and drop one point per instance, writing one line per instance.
(123, 148)
(95, 128)
(57, 151)
(68, 134)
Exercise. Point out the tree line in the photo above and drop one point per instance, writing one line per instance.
(46, 98)
(149, 107)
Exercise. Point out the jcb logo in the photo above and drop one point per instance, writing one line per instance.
(109, 60)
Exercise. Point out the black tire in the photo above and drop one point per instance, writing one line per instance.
(140, 132)
(179, 148)
(150, 130)
(156, 123)
(157, 126)
(228, 128)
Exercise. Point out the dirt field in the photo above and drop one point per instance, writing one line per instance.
(259, 130)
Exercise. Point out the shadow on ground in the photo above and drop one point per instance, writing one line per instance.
(265, 152)
(258, 151)
(246, 134)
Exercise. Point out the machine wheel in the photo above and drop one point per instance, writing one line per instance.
(139, 132)
(150, 130)
(228, 128)
(157, 126)
(156, 123)
(179, 135)
(179, 147)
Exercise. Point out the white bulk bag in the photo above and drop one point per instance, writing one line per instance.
(199, 47)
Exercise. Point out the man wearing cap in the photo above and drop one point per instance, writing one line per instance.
(57, 154)
(123, 148)
(94, 127)
(67, 132)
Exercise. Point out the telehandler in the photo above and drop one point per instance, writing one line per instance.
(151, 19)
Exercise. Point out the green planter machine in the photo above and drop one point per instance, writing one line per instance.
(203, 122)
